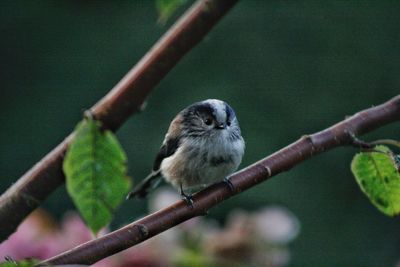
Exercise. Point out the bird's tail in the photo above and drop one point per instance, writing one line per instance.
(142, 189)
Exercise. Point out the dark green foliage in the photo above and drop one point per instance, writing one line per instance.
(287, 67)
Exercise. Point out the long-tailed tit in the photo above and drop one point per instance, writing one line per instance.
(203, 145)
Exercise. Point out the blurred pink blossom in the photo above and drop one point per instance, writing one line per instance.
(257, 239)
(35, 238)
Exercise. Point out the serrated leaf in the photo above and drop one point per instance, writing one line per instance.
(95, 169)
(166, 8)
(379, 179)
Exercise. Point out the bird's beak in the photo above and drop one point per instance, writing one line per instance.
(220, 126)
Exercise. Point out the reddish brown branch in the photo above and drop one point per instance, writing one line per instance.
(307, 146)
(122, 101)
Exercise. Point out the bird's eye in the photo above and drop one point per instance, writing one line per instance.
(228, 123)
(208, 121)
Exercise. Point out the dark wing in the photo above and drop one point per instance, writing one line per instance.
(169, 147)
(171, 141)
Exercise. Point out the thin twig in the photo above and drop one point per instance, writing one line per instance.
(123, 100)
(340, 134)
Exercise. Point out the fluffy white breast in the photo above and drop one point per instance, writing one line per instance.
(201, 162)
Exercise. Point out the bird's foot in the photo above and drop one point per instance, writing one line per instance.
(187, 197)
(229, 183)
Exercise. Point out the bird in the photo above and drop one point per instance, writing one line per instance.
(202, 146)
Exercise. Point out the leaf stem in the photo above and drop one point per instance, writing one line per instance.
(282, 160)
(389, 142)
(126, 98)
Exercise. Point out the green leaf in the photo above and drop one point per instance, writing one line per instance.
(23, 263)
(95, 167)
(379, 179)
(166, 8)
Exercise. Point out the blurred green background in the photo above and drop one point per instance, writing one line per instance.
(287, 67)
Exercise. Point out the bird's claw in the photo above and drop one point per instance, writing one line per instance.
(229, 183)
(188, 198)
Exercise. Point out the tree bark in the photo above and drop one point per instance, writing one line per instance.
(113, 110)
(340, 134)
